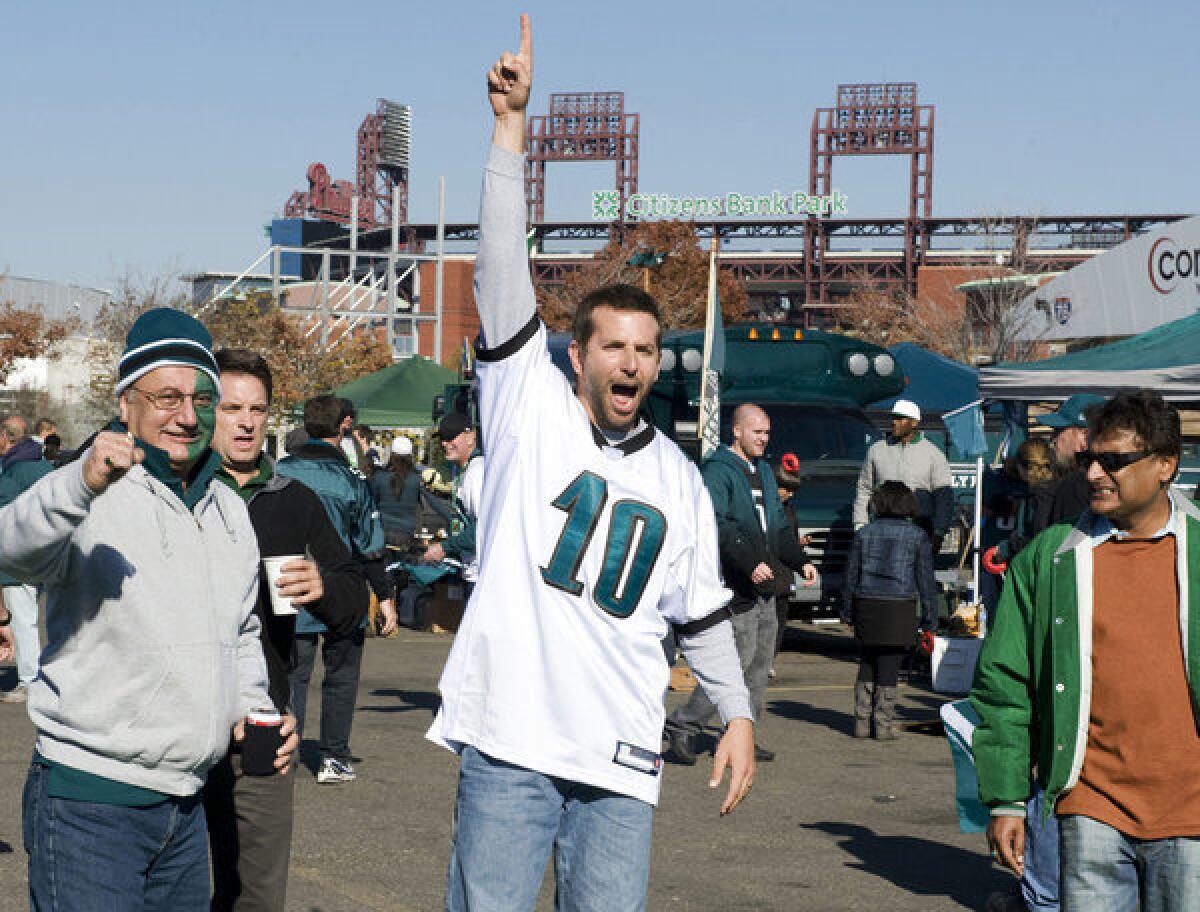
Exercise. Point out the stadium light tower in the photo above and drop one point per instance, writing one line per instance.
(871, 119)
(581, 126)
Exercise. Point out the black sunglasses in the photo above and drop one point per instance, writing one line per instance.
(1110, 462)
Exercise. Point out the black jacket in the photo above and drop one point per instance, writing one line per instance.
(1061, 502)
(288, 518)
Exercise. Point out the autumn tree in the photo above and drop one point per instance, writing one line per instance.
(679, 283)
(134, 295)
(991, 322)
(885, 315)
(27, 334)
(301, 365)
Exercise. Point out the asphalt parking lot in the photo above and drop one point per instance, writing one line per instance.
(832, 824)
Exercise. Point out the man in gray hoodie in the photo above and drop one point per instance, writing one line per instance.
(153, 655)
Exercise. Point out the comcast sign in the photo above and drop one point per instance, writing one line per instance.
(1168, 264)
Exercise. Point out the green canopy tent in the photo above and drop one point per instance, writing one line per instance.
(400, 395)
(1166, 358)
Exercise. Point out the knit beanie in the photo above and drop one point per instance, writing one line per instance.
(165, 337)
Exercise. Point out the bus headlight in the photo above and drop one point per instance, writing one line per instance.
(667, 362)
(692, 360)
(884, 365)
(858, 364)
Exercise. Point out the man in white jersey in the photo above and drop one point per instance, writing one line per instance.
(595, 533)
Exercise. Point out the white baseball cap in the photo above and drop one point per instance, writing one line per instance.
(401, 446)
(906, 408)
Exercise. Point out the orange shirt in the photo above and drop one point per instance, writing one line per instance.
(1141, 772)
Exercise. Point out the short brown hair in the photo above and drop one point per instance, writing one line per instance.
(617, 297)
(244, 361)
(323, 417)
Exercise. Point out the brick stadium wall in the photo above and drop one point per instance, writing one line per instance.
(937, 283)
(459, 319)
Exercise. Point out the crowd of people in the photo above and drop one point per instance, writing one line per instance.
(189, 581)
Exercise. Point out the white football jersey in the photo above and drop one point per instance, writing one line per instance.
(586, 552)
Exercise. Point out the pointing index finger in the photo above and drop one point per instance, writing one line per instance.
(526, 37)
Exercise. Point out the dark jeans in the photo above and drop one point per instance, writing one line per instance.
(880, 665)
(783, 610)
(342, 657)
(250, 835)
(87, 857)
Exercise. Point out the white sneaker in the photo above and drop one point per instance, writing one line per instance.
(18, 694)
(335, 771)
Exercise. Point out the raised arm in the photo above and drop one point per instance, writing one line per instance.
(503, 289)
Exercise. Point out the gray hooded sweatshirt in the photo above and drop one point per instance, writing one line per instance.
(153, 649)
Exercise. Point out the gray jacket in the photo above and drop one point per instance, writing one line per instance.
(920, 465)
(153, 646)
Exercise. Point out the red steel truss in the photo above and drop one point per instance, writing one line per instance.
(581, 126)
(871, 119)
(381, 166)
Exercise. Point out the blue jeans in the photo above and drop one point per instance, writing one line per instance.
(507, 821)
(86, 857)
(21, 601)
(1039, 884)
(1104, 870)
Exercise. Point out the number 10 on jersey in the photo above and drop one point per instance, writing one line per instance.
(636, 532)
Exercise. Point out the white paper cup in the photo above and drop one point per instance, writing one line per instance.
(273, 566)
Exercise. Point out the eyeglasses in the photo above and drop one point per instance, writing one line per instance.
(1034, 464)
(171, 400)
(1111, 463)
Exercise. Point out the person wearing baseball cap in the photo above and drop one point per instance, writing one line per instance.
(453, 425)
(1069, 425)
(153, 657)
(1064, 500)
(906, 455)
(397, 489)
(459, 446)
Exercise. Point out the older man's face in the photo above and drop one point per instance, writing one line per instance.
(172, 408)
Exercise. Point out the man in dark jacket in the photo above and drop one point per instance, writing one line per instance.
(757, 546)
(20, 466)
(250, 817)
(320, 465)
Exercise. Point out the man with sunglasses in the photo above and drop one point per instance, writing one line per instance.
(153, 657)
(1091, 677)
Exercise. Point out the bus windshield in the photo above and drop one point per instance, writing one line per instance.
(814, 433)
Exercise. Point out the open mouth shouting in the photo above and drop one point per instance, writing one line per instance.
(624, 398)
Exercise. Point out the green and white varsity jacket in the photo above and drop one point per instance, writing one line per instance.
(1033, 684)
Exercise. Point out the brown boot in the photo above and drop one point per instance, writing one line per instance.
(864, 696)
(885, 713)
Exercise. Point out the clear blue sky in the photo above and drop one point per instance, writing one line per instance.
(158, 137)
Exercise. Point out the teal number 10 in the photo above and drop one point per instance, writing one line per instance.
(622, 580)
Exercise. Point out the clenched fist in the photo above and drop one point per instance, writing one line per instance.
(111, 455)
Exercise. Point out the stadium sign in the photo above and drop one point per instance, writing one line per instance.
(1146, 281)
(606, 205)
